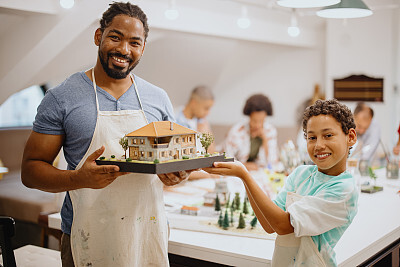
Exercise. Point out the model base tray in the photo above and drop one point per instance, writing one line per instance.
(165, 167)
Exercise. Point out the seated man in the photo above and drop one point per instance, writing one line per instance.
(193, 114)
(368, 131)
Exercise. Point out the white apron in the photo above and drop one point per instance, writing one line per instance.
(296, 251)
(123, 224)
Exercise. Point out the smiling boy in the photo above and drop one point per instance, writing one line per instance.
(318, 202)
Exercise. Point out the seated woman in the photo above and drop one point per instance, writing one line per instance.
(254, 141)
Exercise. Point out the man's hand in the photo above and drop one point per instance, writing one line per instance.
(174, 178)
(94, 176)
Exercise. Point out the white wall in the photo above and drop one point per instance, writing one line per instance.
(367, 46)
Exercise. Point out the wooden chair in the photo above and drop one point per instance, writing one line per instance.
(27, 256)
(7, 230)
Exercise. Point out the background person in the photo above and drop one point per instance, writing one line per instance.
(254, 141)
(368, 132)
(318, 202)
(194, 114)
(109, 218)
(396, 149)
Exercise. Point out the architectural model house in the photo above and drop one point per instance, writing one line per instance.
(162, 140)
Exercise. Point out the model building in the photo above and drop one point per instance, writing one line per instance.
(162, 140)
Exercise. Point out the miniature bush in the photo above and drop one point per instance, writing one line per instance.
(156, 161)
(128, 159)
(102, 158)
(206, 155)
(113, 156)
(185, 157)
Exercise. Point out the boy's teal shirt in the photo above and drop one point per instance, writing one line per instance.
(326, 210)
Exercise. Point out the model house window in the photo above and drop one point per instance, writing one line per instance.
(142, 141)
(170, 153)
(190, 139)
(177, 140)
(134, 141)
(136, 153)
(150, 154)
(162, 154)
(183, 139)
(142, 153)
(191, 150)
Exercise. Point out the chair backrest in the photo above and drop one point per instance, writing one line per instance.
(7, 230)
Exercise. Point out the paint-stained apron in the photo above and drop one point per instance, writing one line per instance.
(123, 224)
(296, 251)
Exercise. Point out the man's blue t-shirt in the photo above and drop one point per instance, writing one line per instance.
(70, 109)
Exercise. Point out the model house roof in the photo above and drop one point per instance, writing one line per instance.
(160, 129)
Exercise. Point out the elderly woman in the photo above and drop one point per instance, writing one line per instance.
(254, 141)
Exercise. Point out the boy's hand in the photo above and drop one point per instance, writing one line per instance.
(228, 169)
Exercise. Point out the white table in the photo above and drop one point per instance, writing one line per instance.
(376, 225)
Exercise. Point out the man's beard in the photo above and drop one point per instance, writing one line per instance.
(116, 72)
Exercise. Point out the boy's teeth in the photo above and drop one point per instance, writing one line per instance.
(323, 155)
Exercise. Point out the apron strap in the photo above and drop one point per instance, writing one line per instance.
(136, 90)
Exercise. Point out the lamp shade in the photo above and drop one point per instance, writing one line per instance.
(346, 9)
(306, 3)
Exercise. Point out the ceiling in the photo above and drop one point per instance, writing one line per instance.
(42, 40)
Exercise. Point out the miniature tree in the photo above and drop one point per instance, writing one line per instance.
(225, 223)
(237, 201)
(231, 217)
(372, 174)
(245, 208)
(233, 204)
(217, 204)
(227, 201)
(124, 143)
(242, 223)
(220, 220)
(206, 140)
(253, 222)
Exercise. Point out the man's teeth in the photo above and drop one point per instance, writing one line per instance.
(322, 155)
(120, 60)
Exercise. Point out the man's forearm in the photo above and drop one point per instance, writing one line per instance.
(43, 176)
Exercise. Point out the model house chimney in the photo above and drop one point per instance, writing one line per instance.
(172, 125)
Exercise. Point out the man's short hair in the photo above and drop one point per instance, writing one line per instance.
(258, 102)
(120, 8)
(333, 108)
(362, 106)
(202, 92)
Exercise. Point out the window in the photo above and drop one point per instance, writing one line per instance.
(142, 153)
(191, 151)
(135, 141)
(177, 140)
(162, 154)
(20, 108)
(142, 141)
(136, 153)
(190, 139)
(150, 154)
(170, 153)
(183, 139)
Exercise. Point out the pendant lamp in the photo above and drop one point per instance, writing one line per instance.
(346, 9)
(306, 3)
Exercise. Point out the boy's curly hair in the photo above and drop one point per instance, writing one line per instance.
(330, 107)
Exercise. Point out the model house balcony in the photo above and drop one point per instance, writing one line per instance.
(159, 145)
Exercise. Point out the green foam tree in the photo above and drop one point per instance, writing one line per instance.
(253, 222)
(242, 223)
(225, 223)
(217, 204)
